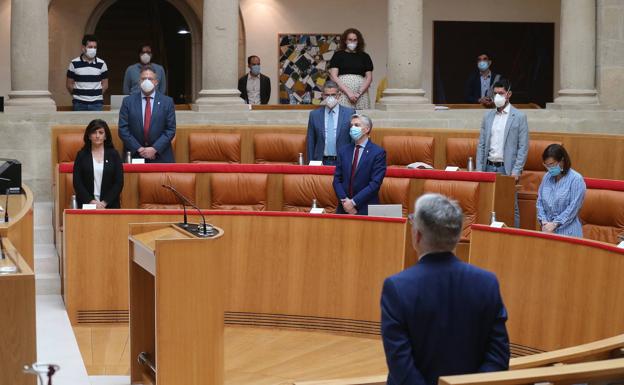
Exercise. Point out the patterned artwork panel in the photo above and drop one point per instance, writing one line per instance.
(303, 61)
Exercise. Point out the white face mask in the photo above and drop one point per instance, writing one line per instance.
(145, 58)
(499, 100)
(352, 46)
(147, 86)
(91, 52)
(331, 101)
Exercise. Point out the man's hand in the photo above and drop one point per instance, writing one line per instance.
(486, 101)
(516, 178)
(549, 227)
(348, 206)
(147, 152)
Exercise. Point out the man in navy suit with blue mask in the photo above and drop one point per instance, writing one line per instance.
(328, 127)
(442, 316)
(360, 169)
(147, 122)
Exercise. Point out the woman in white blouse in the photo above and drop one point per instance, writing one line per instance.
(98, 170)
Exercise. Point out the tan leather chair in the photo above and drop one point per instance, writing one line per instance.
(602, 215)
(403, 150)
(458, 150)
(67, 146)
(530, 180)
(300, 189)
(464, 192)
(205, 147)
(395, 191)
(246, 192)
(278, 148)
(152, 195)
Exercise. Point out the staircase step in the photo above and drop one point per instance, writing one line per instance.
(48, 265)
(45, 250)
(48, 284)
(43, 234)
(43, 214)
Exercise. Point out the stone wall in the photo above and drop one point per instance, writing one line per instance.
(610, 53)
(26, 136)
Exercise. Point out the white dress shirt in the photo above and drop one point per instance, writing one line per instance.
(144, 101)
(497, 137)
(253, 89)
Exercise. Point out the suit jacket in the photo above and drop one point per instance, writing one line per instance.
(162, 126)
(315, 140)
(368, 177)
(112, 178)
(472, 91)
(442, 317)
(265, 88)
(515, 143)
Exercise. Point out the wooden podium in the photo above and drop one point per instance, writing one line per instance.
(176, 305)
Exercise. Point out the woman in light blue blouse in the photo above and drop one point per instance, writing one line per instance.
(560, 194)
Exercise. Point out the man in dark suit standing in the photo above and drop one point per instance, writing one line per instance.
(479, 85)
(441, 316)
(147, 122)
(328, 127)
(360, 169)
(254, 87)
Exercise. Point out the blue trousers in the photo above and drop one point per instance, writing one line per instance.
(501, 170)
(87, 106)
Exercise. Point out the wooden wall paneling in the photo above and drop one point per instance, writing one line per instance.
(275, 192)
(202, 189)
(18, 331)
(555, 290)
(503, 200)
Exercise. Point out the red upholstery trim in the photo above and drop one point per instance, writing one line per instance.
(554, 237)
(604, 184)
(178, 212)
(292, 169)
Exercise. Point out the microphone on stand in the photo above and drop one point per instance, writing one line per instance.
(182, 202)
(202, 230)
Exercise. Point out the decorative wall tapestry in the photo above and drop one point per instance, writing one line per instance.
(303, 62)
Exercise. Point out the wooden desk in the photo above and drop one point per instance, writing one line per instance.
(20, 227)
(18, 345)
(176, 304)
(559, 291)
(292, 270)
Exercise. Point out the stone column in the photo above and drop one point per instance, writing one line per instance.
(29, 57)
(219, 57)
(577, 54)
(405, 53)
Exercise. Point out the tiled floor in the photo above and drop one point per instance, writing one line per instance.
(56, 343)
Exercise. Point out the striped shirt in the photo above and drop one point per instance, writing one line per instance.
(88, 78)
(560, 202)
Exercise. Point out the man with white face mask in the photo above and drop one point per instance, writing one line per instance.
(328, 127)
(503, 139)
(360, 169)
(479, 85)
(254, 87)
(147, 122)
(132, 78)
(87, 77)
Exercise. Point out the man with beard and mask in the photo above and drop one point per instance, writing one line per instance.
(87, 77)
(255, 88)
(132, 83)
(328, 127)
(147, 122)
(360, 169)
(479, 85)
(503, 139)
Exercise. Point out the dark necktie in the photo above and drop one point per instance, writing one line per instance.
(148, 119)
(353, 167)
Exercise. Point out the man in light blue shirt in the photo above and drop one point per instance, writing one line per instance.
(328, 127)
(132, 78)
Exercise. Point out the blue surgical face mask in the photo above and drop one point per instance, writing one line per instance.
(483, 65)
(554, 170)
(255, 69)
(355, 132)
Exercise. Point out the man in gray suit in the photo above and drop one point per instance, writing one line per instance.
(504, 138)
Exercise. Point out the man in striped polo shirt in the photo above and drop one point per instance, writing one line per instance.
(87, 77)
